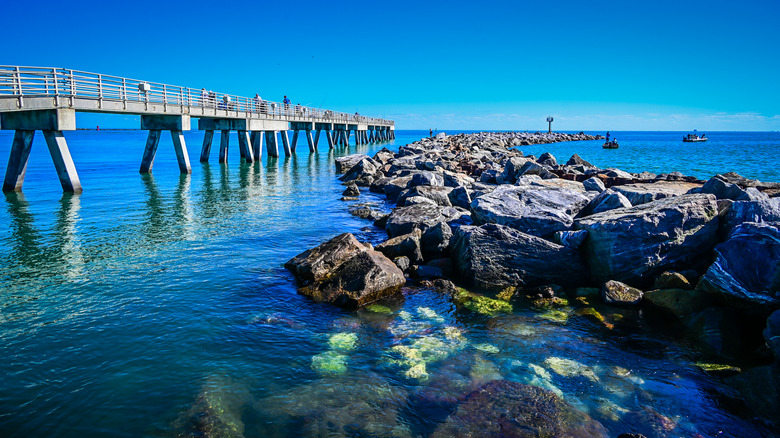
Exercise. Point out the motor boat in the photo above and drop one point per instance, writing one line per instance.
(694, 137)
(611, 145)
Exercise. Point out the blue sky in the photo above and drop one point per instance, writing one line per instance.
(598, 65)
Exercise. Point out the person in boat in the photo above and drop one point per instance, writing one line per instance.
(607, 136)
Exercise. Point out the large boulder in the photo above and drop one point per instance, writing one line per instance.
(726, 190)
(677, 302)
(642, 193)
(605, 201)
(407, 245)
(739, 212)
(747, 267)
(395, 186)
(345, 272)
(426, 178)
(404, 220)
(536, 211)
(363, 169)
(343, 164)
(495, 256)
(503, 408)
(438, 194)
(576, 160)
(634, 243)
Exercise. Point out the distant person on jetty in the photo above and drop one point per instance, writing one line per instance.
(430, 132)
(286, 102)
(204, 97)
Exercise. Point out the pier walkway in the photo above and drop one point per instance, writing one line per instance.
(47, 99)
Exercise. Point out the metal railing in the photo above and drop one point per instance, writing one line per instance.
(18, 82)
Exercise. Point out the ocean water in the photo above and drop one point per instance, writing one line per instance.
(157, 305)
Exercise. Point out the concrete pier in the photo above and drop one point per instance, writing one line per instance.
(47, 99)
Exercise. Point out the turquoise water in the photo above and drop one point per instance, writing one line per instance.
(152, 305)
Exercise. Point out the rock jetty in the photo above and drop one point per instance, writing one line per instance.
(473, 209)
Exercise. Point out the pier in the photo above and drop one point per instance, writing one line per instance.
(47, 99)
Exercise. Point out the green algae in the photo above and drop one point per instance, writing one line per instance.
(329, 363)
(717, 369)
(596, 316)
(560, 316)
(417, 372)
(378, 308)
(487, 306)
(343, 341)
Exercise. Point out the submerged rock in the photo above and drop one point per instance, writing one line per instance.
(495, 257)
(634, 243)
(503, 408)
(678, 302)
(615, 292)
(216, 412)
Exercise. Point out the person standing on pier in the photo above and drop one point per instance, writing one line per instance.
(203, 97)
(430, 133)
(286, 102)
(258, 101)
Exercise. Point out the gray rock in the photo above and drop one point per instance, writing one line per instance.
(605, 201)
(536, 211)
(642, 193)
(361, 170)
(511, 168)
(594, 184)
(427, 179)
(459, 197)
(404, 220)
(747, 267)
(345, 272)
(384, 156)
(395, 186)
(440, 195)
(489, 176)
(414, 200)
(407, 245)
(424, 271)
(343, 164)
(351, 190)
(365, 212)
(530, 168)
(570, 239)
(672, 280)
(457, 179)
(751, 211)
(403, 263)
(631, 243)
(617, 293)
(436, 241)
(495, 257)
(576, 160)
(547, 159)
(724, 190)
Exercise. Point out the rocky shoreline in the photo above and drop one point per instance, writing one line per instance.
(472, 210)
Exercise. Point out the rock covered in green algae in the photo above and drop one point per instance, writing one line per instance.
(358, 405)
(329, 363)
(570, 368)
(716, 369)
(559, 316)
(487, 348)
(481, 304)
(343, 341)
(378, 308)
(502, 408)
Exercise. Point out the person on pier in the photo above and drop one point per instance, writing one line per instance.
(204, 96)
(286, 102)
(258, 102)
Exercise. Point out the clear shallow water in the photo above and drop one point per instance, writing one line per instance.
(148, 301)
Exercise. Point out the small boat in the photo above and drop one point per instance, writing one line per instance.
(611, 145)
(690, 138)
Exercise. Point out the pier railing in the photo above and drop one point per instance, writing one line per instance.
(20, 82)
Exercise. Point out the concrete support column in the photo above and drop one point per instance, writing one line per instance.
(286, 143)
(310, 140)
(257, 144)
(244, 144)
(181, 151)
(152, 141)
(63, 162)
(370, 135)
(206, 150)
(294, 140)
(271, 144)
(224, 143)
(317, 138)
(329, 136)
(17, 162)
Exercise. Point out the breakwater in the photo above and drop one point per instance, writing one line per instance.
(525, 230)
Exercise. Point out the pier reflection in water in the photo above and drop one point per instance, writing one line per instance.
(158, 305)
